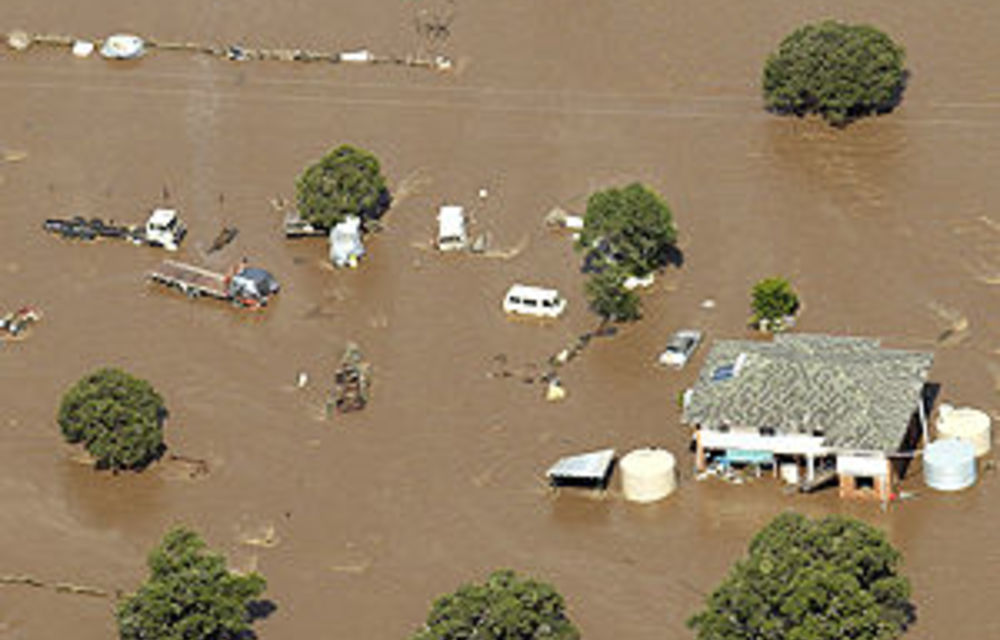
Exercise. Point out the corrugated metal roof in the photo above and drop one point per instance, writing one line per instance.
(854, 393)
(591, 466)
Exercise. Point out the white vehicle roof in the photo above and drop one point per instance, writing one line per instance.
(529, 291)
(451, 221)
(162, 217)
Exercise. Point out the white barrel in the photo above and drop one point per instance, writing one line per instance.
(966, 423)
(648, 475)
(950, 465)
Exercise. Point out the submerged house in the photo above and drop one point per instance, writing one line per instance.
(835, 406)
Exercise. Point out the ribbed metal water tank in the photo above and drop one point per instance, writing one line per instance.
(648, 475)
(950, 464)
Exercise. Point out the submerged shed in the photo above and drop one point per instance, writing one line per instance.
(584, 470)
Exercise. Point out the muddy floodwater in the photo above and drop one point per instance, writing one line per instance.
(889, 228)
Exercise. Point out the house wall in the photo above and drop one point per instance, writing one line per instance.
(752, 440)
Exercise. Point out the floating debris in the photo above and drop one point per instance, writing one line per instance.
(352, 381)
(123, 46)
(83, 48)
(227, 235)
(13, 155)
(18, 40)
(555, 392)
(13, 324)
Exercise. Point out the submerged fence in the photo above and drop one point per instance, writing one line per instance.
(19, 40)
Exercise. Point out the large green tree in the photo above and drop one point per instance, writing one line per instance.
(803, 579)
(839, 71)
(117, 417)
(346, 181)
(190, 595)
(631, 227)
(608, 297)
(505, 607)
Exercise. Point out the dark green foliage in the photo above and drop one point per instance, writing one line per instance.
(805, 579)
(630, 227)
(839, 71)
(505, 607)
(190, 595)
(346, 181)
(117, 417)
(772, 300)
(608, 297)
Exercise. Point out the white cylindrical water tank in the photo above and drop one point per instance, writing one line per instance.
(949, 465)
(648, 475)
(966, 423)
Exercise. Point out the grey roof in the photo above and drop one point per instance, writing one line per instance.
(585, 466)
(856, 394)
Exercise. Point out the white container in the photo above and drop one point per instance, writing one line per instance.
(966, 423)
(789, 472)
(82, 48)
(949, 465)
(648, 475)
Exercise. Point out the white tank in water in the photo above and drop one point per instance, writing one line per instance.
(949, 465)
(648, 475)
(965, 423)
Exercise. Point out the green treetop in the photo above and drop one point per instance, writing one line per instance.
(631, 227)
(805, 579)
(839, 71)
(190, 595)
(346, 181)
(117, 417)
(608, 297)
(505, 607)
(773, 300)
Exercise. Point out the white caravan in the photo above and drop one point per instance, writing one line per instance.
(533, 301)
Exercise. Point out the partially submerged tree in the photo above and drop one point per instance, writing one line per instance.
(772, 302)
(805, 579)
(346, 181)
(839, 71)
(505, 607)
(608, 297)
(190, 595)
(117, 417)
(631, 227)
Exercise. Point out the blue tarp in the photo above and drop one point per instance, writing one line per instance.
(746, 456)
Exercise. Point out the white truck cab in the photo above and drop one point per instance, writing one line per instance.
(165, 229)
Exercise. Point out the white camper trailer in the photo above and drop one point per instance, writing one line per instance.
(451, 228)
(533, 301)
(346, 248)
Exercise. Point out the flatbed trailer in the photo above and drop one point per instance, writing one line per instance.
(191, 280)
(241, 285)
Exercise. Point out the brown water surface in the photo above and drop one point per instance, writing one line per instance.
(889, 228)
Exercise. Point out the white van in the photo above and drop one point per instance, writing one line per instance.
(451, 228)
(533, 301)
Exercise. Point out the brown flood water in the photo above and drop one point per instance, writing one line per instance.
(890, 228)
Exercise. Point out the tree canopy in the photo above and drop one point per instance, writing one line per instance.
(117, 417)
(631, 227)
(805, 579)
(190, 595)
(505, 607)
(839, 71)
(608, 297)
(772, 300)
(346, 181)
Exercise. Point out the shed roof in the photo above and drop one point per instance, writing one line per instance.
(591, 467)
(858, 395)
